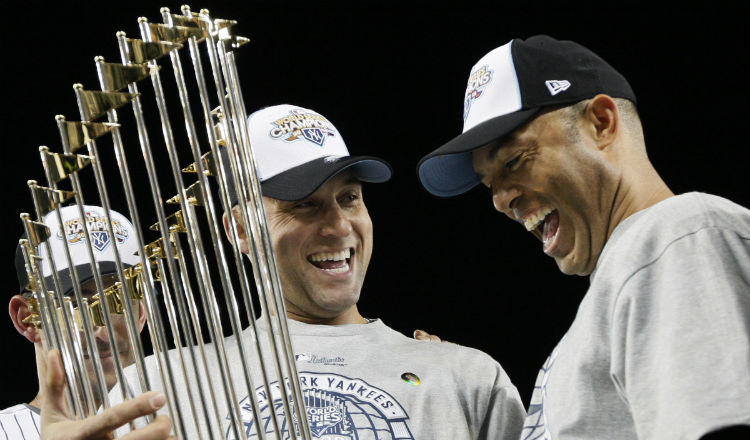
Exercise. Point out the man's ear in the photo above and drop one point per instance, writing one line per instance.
(604, 117)
(141, 316)
(19, 310)
(241, 234)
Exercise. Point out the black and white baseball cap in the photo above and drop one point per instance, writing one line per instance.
(102, 245)
(297, 150)
(507, 88)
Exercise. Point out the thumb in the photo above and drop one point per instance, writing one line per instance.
(53, 388)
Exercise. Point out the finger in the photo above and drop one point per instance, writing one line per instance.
(421, 335)
(156, 430)
(112, 418)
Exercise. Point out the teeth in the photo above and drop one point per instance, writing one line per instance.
(532, 222)
(343, 269)
(331, 256)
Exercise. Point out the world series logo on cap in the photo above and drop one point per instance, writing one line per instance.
(478, 81)
(97, 225)
(302, 124)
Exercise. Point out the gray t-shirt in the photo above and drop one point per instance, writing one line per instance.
(367, 381)
(660, 346)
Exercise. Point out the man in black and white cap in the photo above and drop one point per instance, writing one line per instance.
(23, 421)
(660, 347)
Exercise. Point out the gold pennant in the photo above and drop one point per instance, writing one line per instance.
(142, 52)
(192, 22)
(113, 296)
(209, 165)
(38, 231)
(193, 194)
(62, 165)
(31, 263)
(48, 199)
(175, 223)
(116, 76)
(33, 317)
(80, 133)
(97, 103)
(175, 34)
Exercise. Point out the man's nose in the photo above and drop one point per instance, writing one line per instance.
(503, 199)
(336, 223)
(100, 333)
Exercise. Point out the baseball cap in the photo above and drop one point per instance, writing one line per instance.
(102, 246)
(508, 87)
(297, 150)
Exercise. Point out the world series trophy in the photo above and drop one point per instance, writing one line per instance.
(190, 282)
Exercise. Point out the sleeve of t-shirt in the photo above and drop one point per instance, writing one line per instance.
(505, 413)
(681, 337)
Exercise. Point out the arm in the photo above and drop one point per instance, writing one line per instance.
(56, 425)
(505, 413)
(681, 338)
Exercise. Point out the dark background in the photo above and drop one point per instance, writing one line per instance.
(391, 77)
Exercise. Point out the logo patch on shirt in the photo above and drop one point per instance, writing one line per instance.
(478, 81)
(97, 225)
(338, 408)
(303, 125)
(311, 358)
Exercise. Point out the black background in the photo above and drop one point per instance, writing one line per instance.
(391, 77)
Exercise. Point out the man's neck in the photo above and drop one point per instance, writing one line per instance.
(37, 401)
(350, 316)
(636, 194)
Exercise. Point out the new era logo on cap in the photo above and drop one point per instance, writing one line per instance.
(557, 86)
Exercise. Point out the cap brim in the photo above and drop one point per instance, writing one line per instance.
(84, 273)
(448, 171)
(299, 182)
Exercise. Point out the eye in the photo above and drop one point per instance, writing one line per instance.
(511, 164)
(304, 205)
(350, 197)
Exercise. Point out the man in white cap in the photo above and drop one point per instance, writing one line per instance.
(660, 347)
(22, 421)
(360, 378)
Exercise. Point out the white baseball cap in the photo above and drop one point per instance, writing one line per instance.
(297, 150)
(75, 235)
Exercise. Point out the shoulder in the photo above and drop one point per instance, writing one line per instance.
(17, 409)
(20, 421)
(642, 238)
(452, 358)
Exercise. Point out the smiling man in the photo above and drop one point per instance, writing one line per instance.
(371, 381)
(660, 347)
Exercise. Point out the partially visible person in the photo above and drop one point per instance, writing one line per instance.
(23, 420)
(660, 346)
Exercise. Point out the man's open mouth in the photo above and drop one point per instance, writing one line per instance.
(332, 262)
(544, 225)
